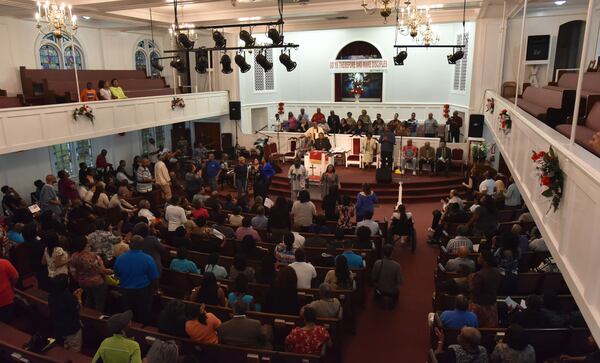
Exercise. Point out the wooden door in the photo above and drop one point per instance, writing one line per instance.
(209, 134)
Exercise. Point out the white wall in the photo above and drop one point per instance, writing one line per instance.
(425, 77)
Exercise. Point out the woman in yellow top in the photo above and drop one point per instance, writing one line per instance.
(116, 90)
(370, 149)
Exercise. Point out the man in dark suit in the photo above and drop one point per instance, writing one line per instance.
(443, 158)
(241, 331)
(322, 143)
(334, 122)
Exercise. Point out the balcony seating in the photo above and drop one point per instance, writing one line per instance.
(584, 132)
(545, 104)
(58, 86)
(8, 102)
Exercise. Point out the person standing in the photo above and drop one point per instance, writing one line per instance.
(334, 122)
(143, 178)
(49, 200)
(63, 309)
(161, 174)
(87, 268)
(430, 126)
(370, 150)
(118, 348)
(212, 170)
(240, 175)
(297, 176)
(412, 124)
(387, 277)
(328, 179)
(8, 279)
(153, 151)
(455, 123)
(484, 285)
(387, 140)
(137, 273)
(365, 202)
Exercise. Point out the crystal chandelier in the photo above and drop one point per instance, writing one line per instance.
(56, 19)
(383, 6)
(428, 36)
(413, 21)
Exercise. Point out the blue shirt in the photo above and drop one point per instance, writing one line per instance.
(135, 269)
(364, 204)
(232, 298)
(183, 266)
(456, 319)
(354, 260)
(212, 168)
(15, 237)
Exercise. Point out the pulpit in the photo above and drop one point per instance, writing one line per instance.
(316, 163)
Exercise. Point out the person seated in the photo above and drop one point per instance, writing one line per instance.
(260, 221)
(461, 261)
(322, 143)
(240, 267)
(443, 158)
(236, 218)
(104, 90)
(409, 155)
(285, 250)
(341, 278)
(354, 260)
(118, 348)
(467, 349)
(182, 264)
(319, 226)
(249, 248)
(370, 223)
(122, 173)
(144, 211)
(241, 331)
(344, 127)
(204, 328)
(171, 320)
(305, 272)
(213, 266)
(552, 311)
(460, 316)
(220, 226)
(163, 351)
(536, 241)
(530, 317)
(318, 117)
(15, 233)
(594, 352)
(246, 230)
(513, 347)
(517, 231)
(198, 210)
(326, 306)
(427, 156)
(327, 258)
(452, 198)
(363, 240)
(310, 338)
(239, 292)
(359, 129)
(116, 91)
(88, 94)
(459, 240)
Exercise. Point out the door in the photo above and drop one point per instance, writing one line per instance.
(209, 134)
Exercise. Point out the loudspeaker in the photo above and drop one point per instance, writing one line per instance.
(476, 125)
(383, 175)
(235, 110)
(226, 140)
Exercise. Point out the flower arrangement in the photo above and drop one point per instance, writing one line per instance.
(550, 175)
(480, 151)
(505, 121)
(84, 111)
(489, 105)
(177, 102)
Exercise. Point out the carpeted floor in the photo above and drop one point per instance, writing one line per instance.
(400, 335)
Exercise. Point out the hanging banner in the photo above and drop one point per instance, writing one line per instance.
(358, 66)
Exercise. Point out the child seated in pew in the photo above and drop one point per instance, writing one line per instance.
(239, 293)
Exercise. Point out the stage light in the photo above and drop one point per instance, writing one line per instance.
(226, 64)
(220, 41)
(400, 57)
(179, 65)
(247, 38)
(262, 60)
(156, 65)
(455, 57)
(274, 35)
(240, 60)
(185, 41)
(285, 59)
(202, 61)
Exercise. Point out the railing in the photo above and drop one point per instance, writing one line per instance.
(25, 128)
(573, 232)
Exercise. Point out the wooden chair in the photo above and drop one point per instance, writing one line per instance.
(354, 157)
(291, 155)
(457, 158)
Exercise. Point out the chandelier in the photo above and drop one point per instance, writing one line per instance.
(412, 20)
(383, 6)
(56, 19)
(428, 36)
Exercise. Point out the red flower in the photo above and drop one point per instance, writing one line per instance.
(541, 154)
(546, 180)
(535, 156)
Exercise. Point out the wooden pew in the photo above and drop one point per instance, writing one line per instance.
(528, 260)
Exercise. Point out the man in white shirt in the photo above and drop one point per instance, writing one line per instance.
(512, 195)
(370, 223)
(175, 214)
(305, 272)
(454, 198)
(489, 184)
(152, 151)
(162, 177)
(313, 132)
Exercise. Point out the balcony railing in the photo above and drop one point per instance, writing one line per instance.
(25, 128)
(573, 232)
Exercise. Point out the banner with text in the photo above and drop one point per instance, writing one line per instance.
(358, 66)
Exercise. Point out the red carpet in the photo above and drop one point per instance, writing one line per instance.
(400, 335)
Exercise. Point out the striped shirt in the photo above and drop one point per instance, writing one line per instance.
(455, 243)
(142, 174)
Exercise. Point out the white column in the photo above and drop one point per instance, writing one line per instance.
(502, 47)
(520, 62)
(175, 80)
(582, 69)
(399, 193)
(75, 67)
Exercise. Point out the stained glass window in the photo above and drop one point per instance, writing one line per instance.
(140, 60)
(49, 57)
(147, 134)
(69, 155)
(56, 53)
(83, 152)
(143, 61)
(153, 56)
(160, 135)
(69, 58)
(62, 157)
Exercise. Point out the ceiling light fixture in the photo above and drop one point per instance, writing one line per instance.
(262, 60)
(226, 64)
(413, 20)
(275, 36)
(184, 40)
(400, 58)
(155, 63)
(56, 19)
(201, 61)
(178, 64)
(381, 6)
(247, 38)
(220, 41)
(287, 61)
(560, 2)
(250, 18)
(86, 17)
(240, 60)
(455, 56)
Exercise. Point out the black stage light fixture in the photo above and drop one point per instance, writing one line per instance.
(179, 65)
(400, 57)
(202, 61)
(155, 63)
(455, 57)
(185, 41)
(274, 35)
(247, 38)
(262, 60)
(220, 41)
(285, 59)
(240, 60)
(226, 64)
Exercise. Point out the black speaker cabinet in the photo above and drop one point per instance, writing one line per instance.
(226, 140)
(476, 125)
(235, 110)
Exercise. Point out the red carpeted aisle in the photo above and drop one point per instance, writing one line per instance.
(400, 335)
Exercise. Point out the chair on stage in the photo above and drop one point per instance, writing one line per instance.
(354, 157)
(291, 155)
(376, 159)
(275, 155)
(457, 158)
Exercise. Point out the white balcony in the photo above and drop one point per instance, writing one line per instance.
(32, 127)
(573, 232)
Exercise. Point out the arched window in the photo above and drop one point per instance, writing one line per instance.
(145, 51)
(366, 86)
(57, 53)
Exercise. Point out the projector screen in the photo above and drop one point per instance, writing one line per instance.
(370, 84)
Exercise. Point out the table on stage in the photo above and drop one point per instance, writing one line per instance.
(316, 163)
